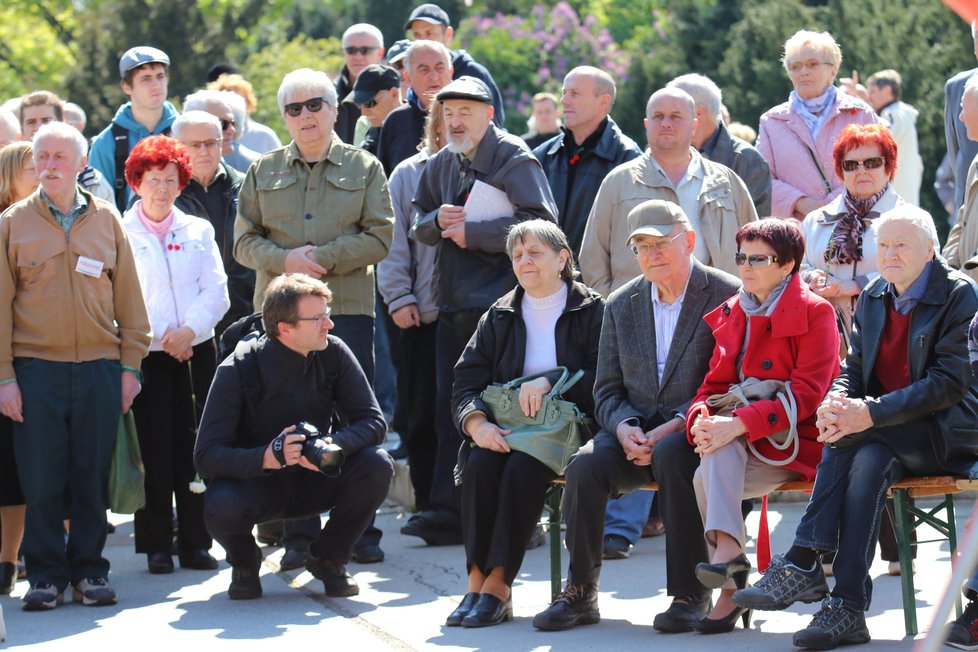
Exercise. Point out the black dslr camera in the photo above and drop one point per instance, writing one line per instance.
(327, 457)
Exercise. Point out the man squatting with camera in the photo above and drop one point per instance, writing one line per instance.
(257, 465)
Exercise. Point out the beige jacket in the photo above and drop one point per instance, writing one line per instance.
(53, 312)
(962, 241)
(725, 205)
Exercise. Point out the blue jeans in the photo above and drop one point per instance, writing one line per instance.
(847, 501)
(626, 516)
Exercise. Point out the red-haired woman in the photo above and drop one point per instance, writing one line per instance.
(185, 289)
(840, 252)
(775, 328)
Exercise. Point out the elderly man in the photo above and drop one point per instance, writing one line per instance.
(962, 241)
(713, 197)
(430, 22)
(473, 270)
(641, 394)
(589, 146)
(229, 108)
(363, 45)
(428, 69)
(884, 90)
(897, 409)
(961, 149)
(714, 142)
(212, 193)
(66, 262)
(376, 92)
(145, 73)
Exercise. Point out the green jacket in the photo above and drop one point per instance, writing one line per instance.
(340, 204)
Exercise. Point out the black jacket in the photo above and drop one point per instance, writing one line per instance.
(497, 351)
(347, 113)
(573, 208)
(942, 386)
(741, 157)
(464, 64)
(218, 204)
(400, 135)
(235, 431)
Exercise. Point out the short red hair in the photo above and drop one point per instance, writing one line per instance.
(854, 136)
(155, 153)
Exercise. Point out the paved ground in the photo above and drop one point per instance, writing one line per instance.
(404, 601)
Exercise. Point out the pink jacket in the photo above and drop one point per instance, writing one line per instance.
(782, 142)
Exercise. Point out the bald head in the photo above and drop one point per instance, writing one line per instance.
(674, 93)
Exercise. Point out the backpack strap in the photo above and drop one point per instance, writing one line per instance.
(121, 137)
(246, 362)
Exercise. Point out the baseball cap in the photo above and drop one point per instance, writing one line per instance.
(655, 217)
(429, 13)
(141, 55)
(371, 80)
(398, 51)
(466, 88)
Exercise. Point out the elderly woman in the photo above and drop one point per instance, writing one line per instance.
(17, 180)
(548, 320)
(797, 137)
(776, 328)
(185, 290)
(905, 404)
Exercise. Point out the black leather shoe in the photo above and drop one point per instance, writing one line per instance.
(462, 610)
(489, 610)
(8, 577)
(368, 553)
(293, 558)
(245, 583)
(683, 613)
(337, 582)
(198, 559)
(577, 604)
(616, 547)
(159, 563)
(713, 576)
(436, 527)
(725, 624)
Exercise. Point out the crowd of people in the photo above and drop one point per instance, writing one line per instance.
(740, 317)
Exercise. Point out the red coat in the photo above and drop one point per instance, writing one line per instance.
(799, 342)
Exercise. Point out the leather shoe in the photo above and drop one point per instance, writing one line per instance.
(159, 563)
(462, 610)
(8, 577)
(436, 527)
(197, 559)
(489, 610)
(577, 604)
(616, 547)
(337, 582)
(245, 583)
(684, 611)
(368, 553)
(713, 576)
(653, 527)
(292, 559)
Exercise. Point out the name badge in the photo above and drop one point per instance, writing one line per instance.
(89, 267)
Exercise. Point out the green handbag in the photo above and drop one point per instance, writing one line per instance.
(554, 434)
(127, 491)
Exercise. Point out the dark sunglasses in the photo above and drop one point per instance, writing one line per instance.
(314, 105)
(363, 51)
(754, 260)
(850, 165)
(227, 123)
(371, 104)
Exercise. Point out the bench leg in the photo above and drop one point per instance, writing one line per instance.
(553, 506)
(901, 527)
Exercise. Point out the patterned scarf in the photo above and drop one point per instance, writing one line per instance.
(814, 111)
(845, 246)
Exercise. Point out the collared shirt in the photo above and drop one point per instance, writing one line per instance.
(688, 191)
(666, 316)
(67, 219)
(906, 302)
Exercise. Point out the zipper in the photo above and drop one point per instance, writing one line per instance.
(169, 275)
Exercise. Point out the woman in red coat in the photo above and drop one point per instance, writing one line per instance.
(774, 329)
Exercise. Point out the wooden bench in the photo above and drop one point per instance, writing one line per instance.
(906, 519)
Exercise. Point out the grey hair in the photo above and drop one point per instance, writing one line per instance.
(704, 92)
(918, 217)
(673, 92)
(10, 120)
(820, 40)
(61, 130)
(431, 46)
(367, 30)
(200, 100)
(76, 111)
(604, 84)
(314, 83)
(239, 107)
(195, 119)
(550, 235)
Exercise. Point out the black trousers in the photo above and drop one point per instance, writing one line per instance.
(453, 333)
(416, 389)
(166, 421)
(502, 496)
(232, 507)
(599, 471)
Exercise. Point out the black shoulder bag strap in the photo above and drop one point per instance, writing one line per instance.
(121, 137)
(825, 181)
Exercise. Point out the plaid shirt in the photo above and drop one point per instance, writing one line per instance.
(67, 219)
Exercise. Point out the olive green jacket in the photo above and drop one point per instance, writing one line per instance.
(340, 205)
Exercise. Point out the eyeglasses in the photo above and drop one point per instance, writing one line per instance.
(319, 319)
(661, 246)
(314, 106)
(225, 124)
(362, 51)
(371, 104)
(851, 165)
(754, 260)
(204, 144)
(798, 66)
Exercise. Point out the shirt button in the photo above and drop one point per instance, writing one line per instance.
(661, 405)
(766, 364)
(308, 216)
(772, 419)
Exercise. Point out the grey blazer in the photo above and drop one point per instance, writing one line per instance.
(960, 148)
(627, 383)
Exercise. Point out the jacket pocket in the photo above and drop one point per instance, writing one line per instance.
(37, 270)
(279, 197)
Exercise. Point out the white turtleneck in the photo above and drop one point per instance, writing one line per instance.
(540, 316)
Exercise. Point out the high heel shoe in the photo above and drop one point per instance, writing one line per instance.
(713, 576)
(462, 610)
(727, 623)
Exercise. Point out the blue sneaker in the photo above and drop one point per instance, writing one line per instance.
(783, 584)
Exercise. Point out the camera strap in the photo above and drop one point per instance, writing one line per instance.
(278, 448)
